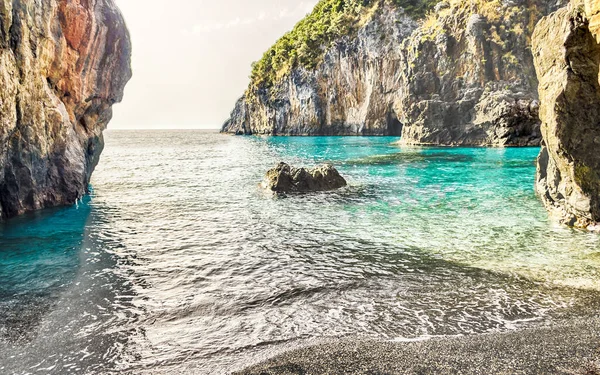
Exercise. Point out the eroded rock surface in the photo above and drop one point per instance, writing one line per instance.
(462, 76)
(287, 179)
(63, 64)
(567, 58)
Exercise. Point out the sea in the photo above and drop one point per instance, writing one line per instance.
(179, 262)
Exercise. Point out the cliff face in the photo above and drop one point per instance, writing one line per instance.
(461, 76)
(567, 58)
(350, 92)
(63, 64)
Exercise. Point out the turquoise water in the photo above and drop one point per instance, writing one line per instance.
(179, 262)
(39, 255)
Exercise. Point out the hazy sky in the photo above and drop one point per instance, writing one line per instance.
(191, 58)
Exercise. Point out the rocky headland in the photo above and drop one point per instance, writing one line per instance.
(567, 57)
(438, 73)
(64, 63)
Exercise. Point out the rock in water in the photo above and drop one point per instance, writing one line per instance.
(458, 74)
(63, 64)
(286, 179)
(567, 59)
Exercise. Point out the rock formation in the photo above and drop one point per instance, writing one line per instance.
(63, 64)
(286, 179)
(567, 58)
(462, 75)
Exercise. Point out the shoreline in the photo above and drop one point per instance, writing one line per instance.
(565, 347)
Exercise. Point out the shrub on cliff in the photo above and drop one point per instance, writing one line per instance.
(306, 43)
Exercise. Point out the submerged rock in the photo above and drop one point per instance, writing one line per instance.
(567, 58)
(285, 179)
(462, 75)
(64, 63)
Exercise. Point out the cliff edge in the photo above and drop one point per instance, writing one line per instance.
(63, 64)
(567, 58)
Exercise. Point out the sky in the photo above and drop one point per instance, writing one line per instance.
(191, 58)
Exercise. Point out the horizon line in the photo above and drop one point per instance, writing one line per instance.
(161, 128)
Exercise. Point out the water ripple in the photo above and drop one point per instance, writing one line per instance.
(180, 263)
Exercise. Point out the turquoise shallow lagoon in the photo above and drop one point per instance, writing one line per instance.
(179, 262)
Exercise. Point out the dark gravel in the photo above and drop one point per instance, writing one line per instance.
(571, 347)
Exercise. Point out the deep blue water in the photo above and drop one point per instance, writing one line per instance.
(179, 262)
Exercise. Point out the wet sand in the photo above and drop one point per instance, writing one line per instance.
(569, 347)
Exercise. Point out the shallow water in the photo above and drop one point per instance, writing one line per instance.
(180, 263)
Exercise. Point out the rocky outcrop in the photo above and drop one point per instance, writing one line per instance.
(286, 179)
(463, 75)
(63, 64)
(567, 58)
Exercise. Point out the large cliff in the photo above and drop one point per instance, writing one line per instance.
(456, 73)
(63, 64)
(567, 57)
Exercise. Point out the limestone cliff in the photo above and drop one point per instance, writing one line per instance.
(461, 75)
(63, 64)
(567, 58)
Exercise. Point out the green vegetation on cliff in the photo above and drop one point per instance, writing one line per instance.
(306, 43)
